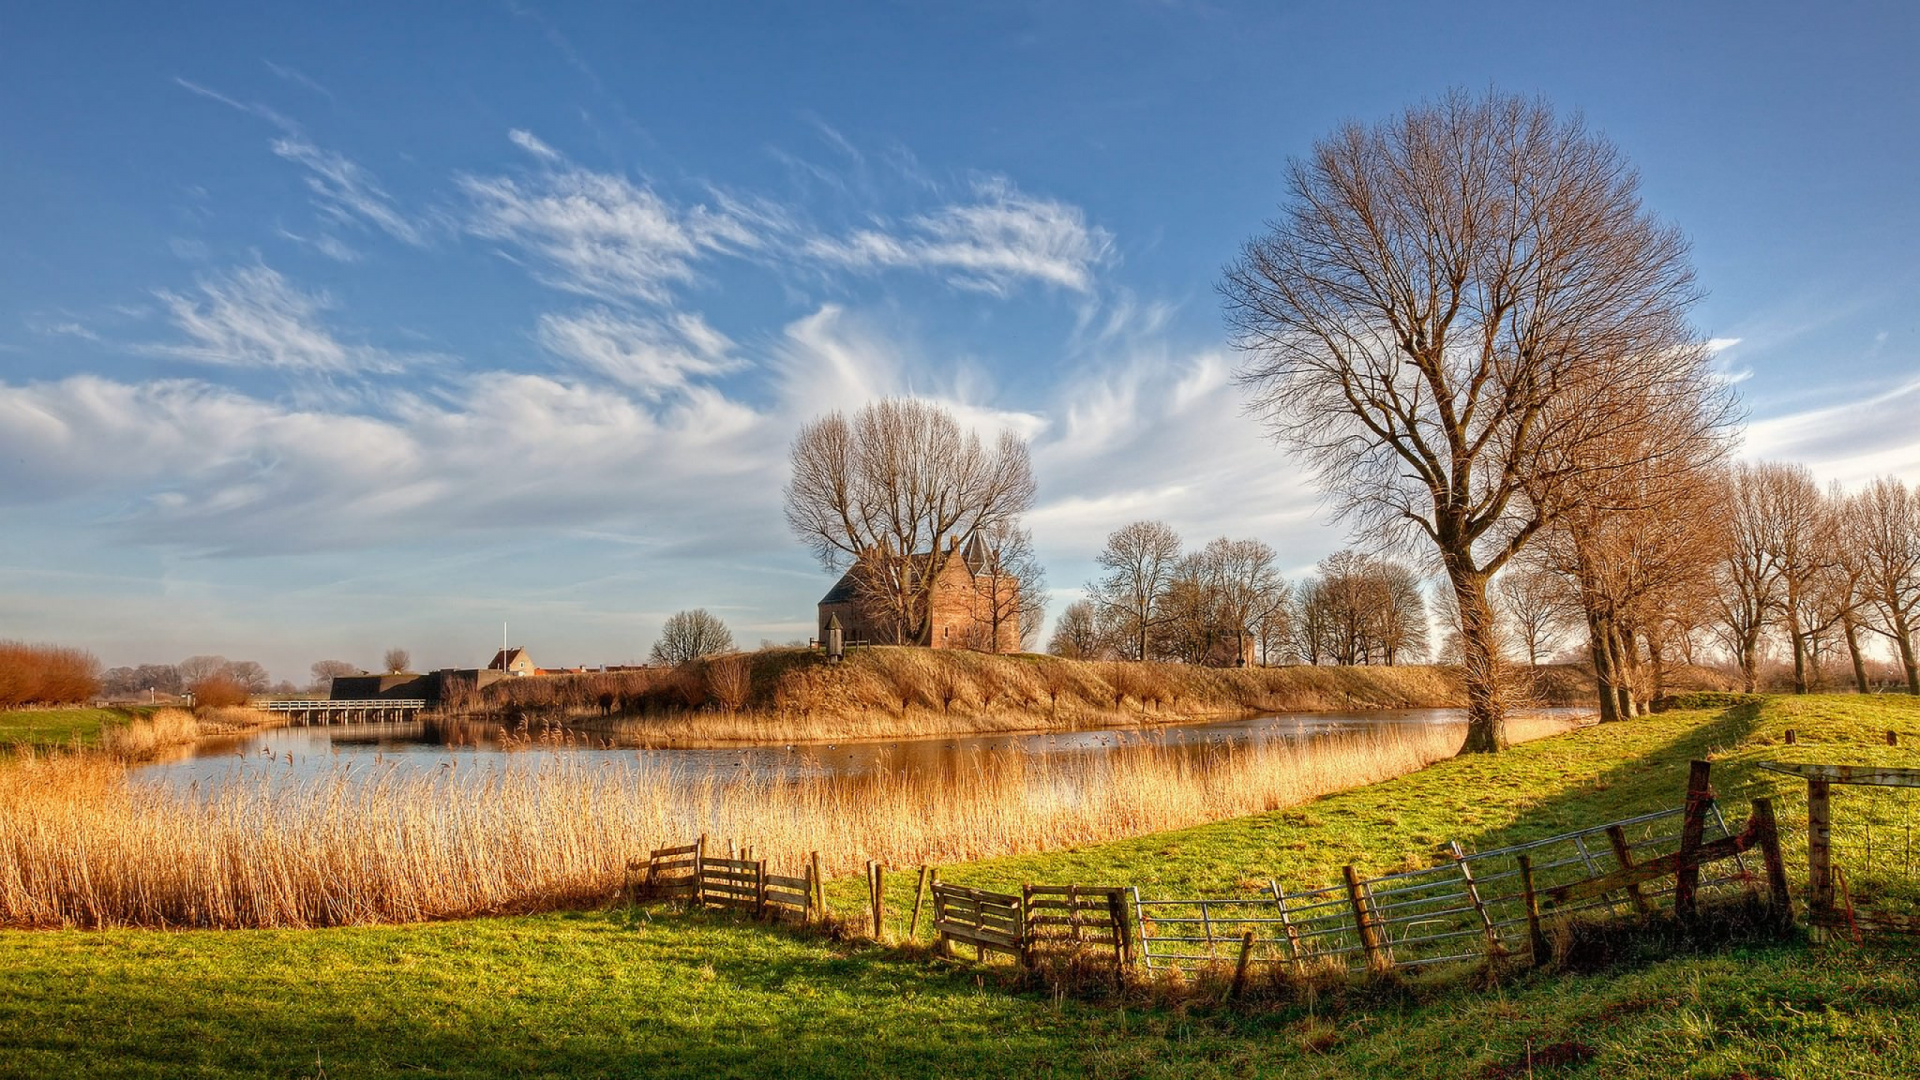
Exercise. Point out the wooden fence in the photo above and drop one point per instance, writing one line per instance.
(988, 921)
(1830, 900)
(1473, 906)
(688, 873)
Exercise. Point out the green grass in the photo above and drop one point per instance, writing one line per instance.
(59, 727)
(656, 993)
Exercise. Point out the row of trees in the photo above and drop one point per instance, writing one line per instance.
(1740, 557)
(46, 675)
(1226, 603)
(206, 677)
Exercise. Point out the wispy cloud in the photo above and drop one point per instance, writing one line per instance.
(289, 73)
(999, 238)
(650, 356)
(345, 192)
(1852, 442)
(601, 235)
(255, 318)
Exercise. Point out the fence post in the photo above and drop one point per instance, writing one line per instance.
(1363, 921)
(1494, 948)
(1693, 829)
(819, 888)
(1240, 967)
(1768, 830)
(919, 890)
(1538, 950)
(1122, 928)
(1286, 923)
(1623, 854)
(760, 889)
(876, 878)
(1819, 852)
(700, 872)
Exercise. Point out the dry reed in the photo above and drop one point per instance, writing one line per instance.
(84, 843)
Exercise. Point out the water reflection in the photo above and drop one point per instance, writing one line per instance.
(467, 748)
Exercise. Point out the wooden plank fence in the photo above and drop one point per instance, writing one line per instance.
(1473, 906)
(988, 921)
(1074, 918)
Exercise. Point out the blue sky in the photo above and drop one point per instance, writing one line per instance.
(324, 331)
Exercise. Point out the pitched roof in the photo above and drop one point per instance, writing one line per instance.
(843, 591)
(504, 659)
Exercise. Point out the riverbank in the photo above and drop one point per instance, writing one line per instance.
(651, 992)
(795, 696)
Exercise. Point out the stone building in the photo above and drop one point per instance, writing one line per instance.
(972, 588)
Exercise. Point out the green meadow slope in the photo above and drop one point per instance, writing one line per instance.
(655, 992)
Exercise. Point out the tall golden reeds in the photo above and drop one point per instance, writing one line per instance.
(85, 842)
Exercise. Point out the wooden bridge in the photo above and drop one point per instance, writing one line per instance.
(359, 711)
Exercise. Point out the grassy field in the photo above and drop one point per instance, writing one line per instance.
(59, 727)
(650, 992)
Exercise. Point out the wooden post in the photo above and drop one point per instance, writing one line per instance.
(1537, 946)
(1767, 837)
(1494, 948)
(1623, 854)
(1692, 829)
(760, 889)
(1122, 929)
(819, 888)
(1363, 921)
(1240, 967)
(1893, 737)
(1789, 736)
(876, 883)
(699, 871)
(1819, 852)
(1286, 923)
(920, 890)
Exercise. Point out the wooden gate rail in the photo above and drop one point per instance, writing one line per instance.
(734, 883)
(1075, 917)
(672, 873)
(987, 921)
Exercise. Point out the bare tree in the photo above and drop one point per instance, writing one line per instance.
(1139, 560)
(1454, 309)
(325, 671)
(1749, 577)
(1013, 587)
(690, 635)
(1794, 531)
(198, 669)
(1534, 601)
(1362, 610)
(397, 660)
(1077, 635)
(892, 493)
(1883, 525)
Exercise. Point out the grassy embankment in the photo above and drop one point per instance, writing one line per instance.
(62, 726)
(627, 993)
(794, 695)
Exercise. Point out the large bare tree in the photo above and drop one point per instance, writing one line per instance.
(1139, 561)
(1883, 525)
(1453, 310)
(893, 492)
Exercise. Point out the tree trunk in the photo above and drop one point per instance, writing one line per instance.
(1903, 634)
(1799, 655)
(1749, 661)
(1853, 650)
(1623, 670)
(1604, 676)
(1480, 663)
